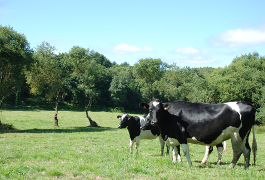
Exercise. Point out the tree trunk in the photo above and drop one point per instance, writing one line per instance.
(56, 111)
(92, 123)
(56, 119)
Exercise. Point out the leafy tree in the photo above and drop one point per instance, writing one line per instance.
(100, 59)
(171, 82)
(242, 80)
(15, 57)
(102, 83)
(46, 75)
(199, 88)
(189, 84)
(85, 70)
(124, 91)
(147, 73)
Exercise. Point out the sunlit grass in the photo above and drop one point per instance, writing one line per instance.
(38, 150)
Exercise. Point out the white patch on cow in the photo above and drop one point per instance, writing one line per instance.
(206, 155)
(225, 135)
(235, 107)
(147, 134)
(123, 116)
(142, 120)
(155, 103)
(194, 138)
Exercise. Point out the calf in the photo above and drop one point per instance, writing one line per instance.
(205, 124)
(134, 124)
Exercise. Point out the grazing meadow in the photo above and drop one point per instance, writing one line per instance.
(38, 150)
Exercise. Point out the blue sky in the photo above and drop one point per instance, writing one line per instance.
(188, 33)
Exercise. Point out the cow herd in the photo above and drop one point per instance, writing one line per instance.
(179, 123)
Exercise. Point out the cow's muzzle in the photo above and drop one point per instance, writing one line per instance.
(143, 128)
(153, 123)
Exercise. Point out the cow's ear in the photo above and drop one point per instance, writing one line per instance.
(119, 117)
(129, 117)
(166, 106)
(144, 105)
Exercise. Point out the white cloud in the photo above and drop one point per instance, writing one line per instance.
(196, 60)
(124, 48)
(201, 60)
(57, 53)
(240, 38)
(186, 51)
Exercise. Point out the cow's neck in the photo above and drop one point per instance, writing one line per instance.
(164, 125)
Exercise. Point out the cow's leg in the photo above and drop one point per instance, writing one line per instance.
(208, 151)
(174, 150)
(174, 158)
(185, 148)
(168, 148)
(162, 144)
(220, 149)
(237, 148)
(131, 146)
(246, 152)
(137, 144)
(179, 157)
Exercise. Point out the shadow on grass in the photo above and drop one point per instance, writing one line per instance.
(62, 130)
(213, 164)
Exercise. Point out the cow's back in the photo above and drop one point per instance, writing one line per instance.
(207, 121)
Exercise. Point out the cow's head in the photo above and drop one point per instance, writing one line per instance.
(124, 120)
(147, 123)
(156, 109)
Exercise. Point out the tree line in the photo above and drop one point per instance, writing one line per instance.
(85, 79)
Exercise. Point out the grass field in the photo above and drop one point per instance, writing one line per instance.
(38, 150)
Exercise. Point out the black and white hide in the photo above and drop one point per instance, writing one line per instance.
(205, 124)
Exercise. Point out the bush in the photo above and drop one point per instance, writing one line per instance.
(118, 109)
(260, 116)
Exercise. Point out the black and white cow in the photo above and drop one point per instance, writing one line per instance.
(205, 124)
(134, 124)
(209, 149)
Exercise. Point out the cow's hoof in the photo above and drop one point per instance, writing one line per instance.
(231, 165)
(218, 163)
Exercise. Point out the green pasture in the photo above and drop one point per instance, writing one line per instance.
(38, 150)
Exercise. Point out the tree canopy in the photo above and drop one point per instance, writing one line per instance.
(84, 75)
(15, 56)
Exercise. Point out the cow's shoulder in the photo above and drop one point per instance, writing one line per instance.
(134, 127)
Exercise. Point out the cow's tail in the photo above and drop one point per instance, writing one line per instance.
(254, 144)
